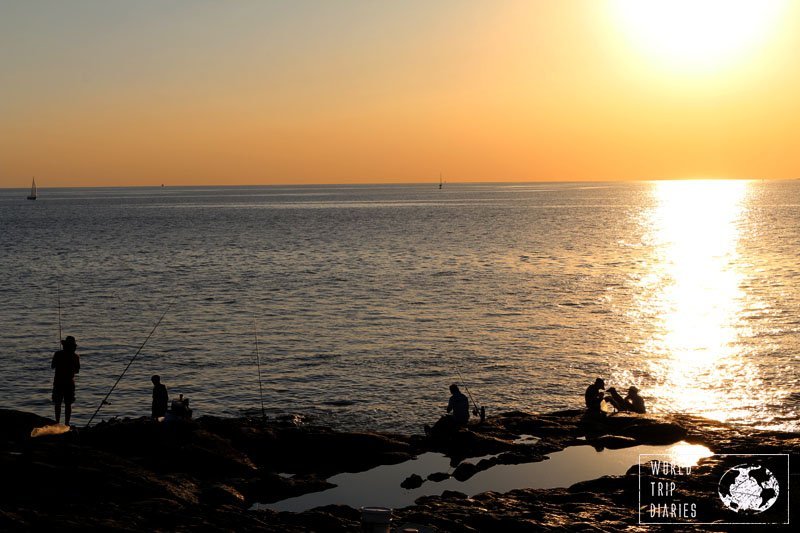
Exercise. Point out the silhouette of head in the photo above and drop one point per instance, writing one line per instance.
(599, 383)
(156, 379)
(454, 389)
(69, 342)
(633, 390)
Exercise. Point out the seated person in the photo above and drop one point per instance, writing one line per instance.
(594, 396)
(635, 401)
(632, 403)
(457, 417)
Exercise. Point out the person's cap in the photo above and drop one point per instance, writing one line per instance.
(599, 381)
(69, 341)
(155, 377)
(633, 389)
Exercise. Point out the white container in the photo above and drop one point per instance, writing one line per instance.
(376, 519)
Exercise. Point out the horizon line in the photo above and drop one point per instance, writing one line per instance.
(353, 183)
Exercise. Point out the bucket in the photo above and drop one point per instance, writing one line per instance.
(376, 519)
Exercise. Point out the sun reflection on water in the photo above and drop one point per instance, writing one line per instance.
(687, 455)
(692, 296)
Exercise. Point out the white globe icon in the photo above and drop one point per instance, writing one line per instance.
(748, 489)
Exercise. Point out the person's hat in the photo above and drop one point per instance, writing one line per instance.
(633, 390)
(69, 341)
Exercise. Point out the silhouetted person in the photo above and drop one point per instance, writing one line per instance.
(160, 398)
(458, 405)
(636, 402)
(631, 403)
(458, 415)
(615, 399)
(594, 395)
(66, 363)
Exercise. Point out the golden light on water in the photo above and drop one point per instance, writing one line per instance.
(693, 298)
(686, 455)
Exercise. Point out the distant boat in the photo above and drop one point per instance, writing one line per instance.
(440, 180)
(32, 195)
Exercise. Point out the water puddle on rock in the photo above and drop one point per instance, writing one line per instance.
(380, 486)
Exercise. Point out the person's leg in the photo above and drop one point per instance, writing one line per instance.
(67, 413)
(444, 427)
(58, 411)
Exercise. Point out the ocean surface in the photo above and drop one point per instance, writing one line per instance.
(369, 300)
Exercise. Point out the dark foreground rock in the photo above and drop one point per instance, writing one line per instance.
(136, 475)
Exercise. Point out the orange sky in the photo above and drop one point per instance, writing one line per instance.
(98, 93)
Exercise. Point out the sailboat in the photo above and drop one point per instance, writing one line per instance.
(32, 195)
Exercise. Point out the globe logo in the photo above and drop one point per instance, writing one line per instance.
(748, 489)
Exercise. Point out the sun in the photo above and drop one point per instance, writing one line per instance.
(697, 33)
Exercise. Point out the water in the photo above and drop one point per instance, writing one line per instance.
(381, 486)
(367, 298)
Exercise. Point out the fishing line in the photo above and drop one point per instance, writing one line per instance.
(258, 362)
(128, 366)
(475, 405)
(58, 295)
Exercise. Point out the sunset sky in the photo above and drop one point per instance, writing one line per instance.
(113, 93)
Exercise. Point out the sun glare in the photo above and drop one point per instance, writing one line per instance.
(698, 33)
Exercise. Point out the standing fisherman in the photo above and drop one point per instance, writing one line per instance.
(160, 398)
(66, 363)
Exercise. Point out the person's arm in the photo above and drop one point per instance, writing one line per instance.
(77, 364)
(53, 362)
(450, 404)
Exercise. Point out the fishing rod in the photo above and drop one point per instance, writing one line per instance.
(128, 366)
(58, 295)
(258, 362)
(475, 409)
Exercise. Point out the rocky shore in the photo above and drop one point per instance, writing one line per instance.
(137, 475)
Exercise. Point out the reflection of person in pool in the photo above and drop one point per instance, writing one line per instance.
(631, 403)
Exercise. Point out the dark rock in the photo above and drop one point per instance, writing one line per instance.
(464, 471)
(438, 476)
(16, 426)
(270, 487)
(518, 457)
(658, 433)
(221, 494)
(613, 442)
(453, 495)
(412, 482)
(141, 476)
(603, 484)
